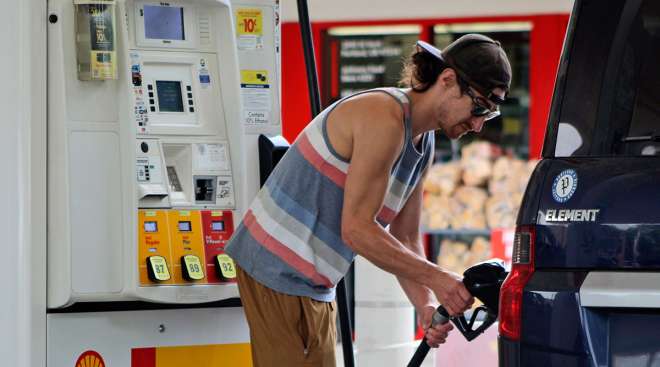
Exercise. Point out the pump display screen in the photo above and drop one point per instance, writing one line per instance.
(163, 22)
(169, 96)
(150, 227)
(218, 226)
(184, 227)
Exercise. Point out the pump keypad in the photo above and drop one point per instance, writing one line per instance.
(191, 104)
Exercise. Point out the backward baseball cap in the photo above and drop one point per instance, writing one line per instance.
(479, 60)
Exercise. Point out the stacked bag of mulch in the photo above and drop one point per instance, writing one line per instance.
(480, 191)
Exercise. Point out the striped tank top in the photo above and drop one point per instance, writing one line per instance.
(290, 238)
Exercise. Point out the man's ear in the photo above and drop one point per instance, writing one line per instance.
(447, 77)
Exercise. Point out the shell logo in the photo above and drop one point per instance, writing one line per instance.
(90, 358)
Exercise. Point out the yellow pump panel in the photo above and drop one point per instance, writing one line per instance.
(153, 240)
(186, 239)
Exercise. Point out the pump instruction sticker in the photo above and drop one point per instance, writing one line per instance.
(211, 157)
(148, 170)
(255, 97)
(249, 29)
(225, 192)
(204, 76)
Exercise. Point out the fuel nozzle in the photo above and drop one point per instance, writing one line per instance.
(483, 281)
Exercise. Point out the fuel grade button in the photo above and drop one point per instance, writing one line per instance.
(157, 269)
(225, 265)
(192, 267)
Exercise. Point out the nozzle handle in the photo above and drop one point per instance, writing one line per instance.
(440, 316)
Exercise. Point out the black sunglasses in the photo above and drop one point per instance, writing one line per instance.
(480, 106)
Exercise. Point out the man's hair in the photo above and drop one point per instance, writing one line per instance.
(420, 70)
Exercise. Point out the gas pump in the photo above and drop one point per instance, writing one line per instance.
(154, 114)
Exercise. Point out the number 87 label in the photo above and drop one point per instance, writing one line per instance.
(157, 268)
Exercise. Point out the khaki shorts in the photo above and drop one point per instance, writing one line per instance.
(287, 330)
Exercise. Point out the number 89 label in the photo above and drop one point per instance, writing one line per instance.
(193, 267)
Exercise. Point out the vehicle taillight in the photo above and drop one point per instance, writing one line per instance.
(522, 268)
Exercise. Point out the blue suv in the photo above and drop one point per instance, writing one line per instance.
(584, 288)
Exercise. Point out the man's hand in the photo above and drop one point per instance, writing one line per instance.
(451, 292)
(435, 335)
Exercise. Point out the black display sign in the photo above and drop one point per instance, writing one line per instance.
(100, 25)
(360, 62)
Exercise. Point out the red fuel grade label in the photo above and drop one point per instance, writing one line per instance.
(217, 228)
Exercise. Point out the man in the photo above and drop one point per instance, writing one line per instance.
(350, 184)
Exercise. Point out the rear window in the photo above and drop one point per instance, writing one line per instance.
(610, 104)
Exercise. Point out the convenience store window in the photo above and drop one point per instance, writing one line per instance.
(364, 57)
(510, 131)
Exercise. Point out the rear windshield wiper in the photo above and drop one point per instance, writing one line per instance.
(629, 139)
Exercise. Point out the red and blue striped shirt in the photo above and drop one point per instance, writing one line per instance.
(290, 238)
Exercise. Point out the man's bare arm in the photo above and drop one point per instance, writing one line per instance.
(405, 228)
(377, 140)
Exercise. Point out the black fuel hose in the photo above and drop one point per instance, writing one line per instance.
(440, 316)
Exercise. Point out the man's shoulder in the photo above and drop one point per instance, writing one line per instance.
(373, 110)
